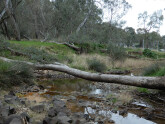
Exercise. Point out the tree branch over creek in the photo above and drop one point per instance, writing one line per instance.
(146, 82)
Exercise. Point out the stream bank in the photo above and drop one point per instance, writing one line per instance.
(78, 102)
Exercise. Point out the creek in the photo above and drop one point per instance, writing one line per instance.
(96, 100)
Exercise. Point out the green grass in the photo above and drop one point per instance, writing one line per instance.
(143, 90)
(53, 47)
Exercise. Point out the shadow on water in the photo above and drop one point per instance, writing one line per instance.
(87, 91)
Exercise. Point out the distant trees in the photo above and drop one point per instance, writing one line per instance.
(149, 23)
(117, 9)
(77, 21)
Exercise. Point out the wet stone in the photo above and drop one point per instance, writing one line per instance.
(52, 112)
(123, 112)
(114, 111)
(64, 120)
(38, 108)
(16, 121)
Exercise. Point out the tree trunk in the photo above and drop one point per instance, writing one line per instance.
(6, 30)
(13, 20)
(146, 82)
(84, 21)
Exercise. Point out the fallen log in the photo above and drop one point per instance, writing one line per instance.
(146, 82)
(73, 47)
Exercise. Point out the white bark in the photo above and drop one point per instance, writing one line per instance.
(5, 9)
(146, 82)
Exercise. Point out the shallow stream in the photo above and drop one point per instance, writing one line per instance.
(85, 96)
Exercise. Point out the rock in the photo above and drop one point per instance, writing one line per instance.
(114, 111)
(4, 111)
(99, 120)
(123, 112)
(54, 120)
(90, 123)
(11, 93)
(15, 117)
(110, 121)
(38, 108)
(64, 120)
(86, 116)
(12, 110)
(0, 103)
(59, 103)
(41, 87)
(2, 120)
(47, 120)
(52, 112)
(16, 121)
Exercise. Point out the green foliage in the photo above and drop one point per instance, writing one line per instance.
(143, 90)
(39, 55)
(96, 65)
(155, 70)
(15, 74)
(32, 53)
(116, 53)
(148, 53)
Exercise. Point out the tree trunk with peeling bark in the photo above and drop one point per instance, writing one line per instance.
(146, 82)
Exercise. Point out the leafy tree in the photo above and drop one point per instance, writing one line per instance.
(131, 36)
(150, 22)
(117, 9)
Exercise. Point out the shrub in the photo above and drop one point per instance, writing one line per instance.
(116, 53)
(157, 69)
(15, 74)
(39, 55)
(96, 65)
(148, 53)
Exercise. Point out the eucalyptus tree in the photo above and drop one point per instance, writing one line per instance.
(7, 16)
(117, 9)
(150, 23)
(73, 15)
(131, 36)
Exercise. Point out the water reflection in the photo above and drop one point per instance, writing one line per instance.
(128, 119)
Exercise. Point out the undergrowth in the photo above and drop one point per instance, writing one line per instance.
(14, 74)
(157, 69)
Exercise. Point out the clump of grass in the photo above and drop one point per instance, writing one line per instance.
(125, 98)
(157, 69)
(96, 65)
(142, 90)
(15, 74)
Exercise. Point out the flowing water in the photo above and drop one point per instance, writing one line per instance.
(78, 91)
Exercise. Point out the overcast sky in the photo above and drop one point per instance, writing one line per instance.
(139, 6)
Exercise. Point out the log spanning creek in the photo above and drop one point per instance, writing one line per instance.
(100, 101)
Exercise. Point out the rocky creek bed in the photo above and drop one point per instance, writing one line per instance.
(81, 102)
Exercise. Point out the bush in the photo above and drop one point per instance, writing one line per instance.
(15, 74)
(148, 53)
(155, 70)
(39, 55)
(86, 43)
(116, 53)
(96, 65)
